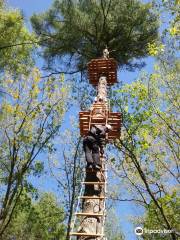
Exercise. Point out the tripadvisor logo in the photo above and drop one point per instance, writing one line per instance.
(138, 231)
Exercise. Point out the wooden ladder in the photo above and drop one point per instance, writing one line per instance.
(101, 214)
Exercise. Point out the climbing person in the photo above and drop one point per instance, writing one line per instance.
(93, 145)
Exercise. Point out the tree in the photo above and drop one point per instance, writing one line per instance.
(149, 145)
(71, 170)
(16, 42)
(33, 220)
(31, 116)
(77, 31)
(152, 220)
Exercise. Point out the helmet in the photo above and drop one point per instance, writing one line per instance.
(109, 127)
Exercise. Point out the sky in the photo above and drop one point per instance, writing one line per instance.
(30, 6)
(36, 6)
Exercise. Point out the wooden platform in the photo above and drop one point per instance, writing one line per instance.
(102, 67)
(114, 119)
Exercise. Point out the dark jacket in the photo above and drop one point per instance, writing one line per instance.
(99, 133)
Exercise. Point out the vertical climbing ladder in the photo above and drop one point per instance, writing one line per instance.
(97, 212)
(91, 215)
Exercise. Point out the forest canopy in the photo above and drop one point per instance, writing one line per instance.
(80, 30)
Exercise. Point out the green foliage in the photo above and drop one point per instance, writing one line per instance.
(16, 42)
(82, 29)
(31, 116)
(150, 125)
(149, 145)
(42, 219)
(38, 168)
(170, 204)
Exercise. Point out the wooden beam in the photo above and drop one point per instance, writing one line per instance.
(93, 183)
(86, 234)
(90, 214)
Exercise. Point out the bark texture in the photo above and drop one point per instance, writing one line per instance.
(102, 89)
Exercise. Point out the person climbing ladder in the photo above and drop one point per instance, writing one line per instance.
(93, 145)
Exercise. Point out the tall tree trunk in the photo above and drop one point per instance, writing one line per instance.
(94, 194)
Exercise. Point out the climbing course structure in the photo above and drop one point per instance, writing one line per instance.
(91, 216)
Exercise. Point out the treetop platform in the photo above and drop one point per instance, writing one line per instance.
(87, 119)
(102, 67)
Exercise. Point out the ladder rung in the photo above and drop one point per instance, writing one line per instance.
(86, 234)
(98, 118)
(89, 214)
(99, 106)
(91, 197)
(94, 183)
